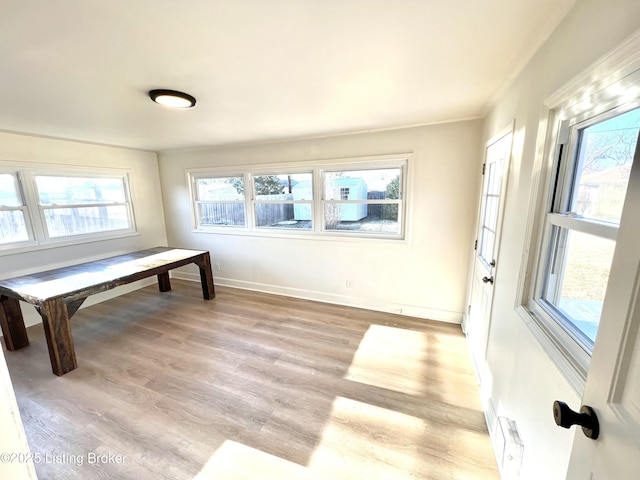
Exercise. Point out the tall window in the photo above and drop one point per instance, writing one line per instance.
(587, 195)
(79, 205)
(14, 224)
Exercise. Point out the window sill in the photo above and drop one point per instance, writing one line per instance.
(574, 374)
(304, 235)
(32, 247)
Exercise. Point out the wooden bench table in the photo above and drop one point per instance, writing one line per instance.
(57, 294)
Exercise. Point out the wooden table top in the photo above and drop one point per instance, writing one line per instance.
(79, 281)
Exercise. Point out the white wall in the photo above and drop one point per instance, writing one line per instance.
(424, 276)
(17, 150)
(13, 442)
(521, 380)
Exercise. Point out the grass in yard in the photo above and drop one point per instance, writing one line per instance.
(587, 268)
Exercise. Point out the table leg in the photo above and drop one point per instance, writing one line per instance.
(12, 323)
(206, 276)
(57, 329)
(164, 284)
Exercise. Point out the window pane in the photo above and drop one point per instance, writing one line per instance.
(489, 219)
(276, 189)
(376, 184)
(344, 188)
(13, 227)
(283, 215)
(223, 203)
(220, 189)
(298, 186)
(577, 279)
(487, 241)
(63, 222)
(604, 164)
(493, 181)
(79, 190)
(221, 214)
(362, 217)
(9, 196)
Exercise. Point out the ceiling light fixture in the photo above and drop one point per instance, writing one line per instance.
(172, 98)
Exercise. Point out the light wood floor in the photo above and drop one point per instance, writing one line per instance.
(252, 386)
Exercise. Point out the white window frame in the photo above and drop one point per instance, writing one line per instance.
(317, 170)
(194, 176)
(381, 165)
(253, 201)
(611, 84)
(122, 176)
(39, 236)
(24, 208)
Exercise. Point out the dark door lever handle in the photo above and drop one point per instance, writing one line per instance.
(586, 418)
(488, 280)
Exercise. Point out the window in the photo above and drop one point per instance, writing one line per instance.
(283, 201)
(14, 219)
(62, 205)
(587, 192)
(350, 198)
(364, 201)
(490, 206)
(80, 205)
(220, 201)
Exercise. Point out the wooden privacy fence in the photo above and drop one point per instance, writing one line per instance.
(267, 213)
(221, 213)
(233, 213)
(375, 210)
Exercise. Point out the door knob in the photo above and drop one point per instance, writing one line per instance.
(586, 418)
(488, 279)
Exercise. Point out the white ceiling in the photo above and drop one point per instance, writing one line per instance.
(261, 70)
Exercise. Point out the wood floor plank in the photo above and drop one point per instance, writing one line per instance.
(252, 385)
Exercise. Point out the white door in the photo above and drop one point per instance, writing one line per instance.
(613, 382)
(485, 264)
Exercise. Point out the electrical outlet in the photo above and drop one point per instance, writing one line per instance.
(218, 267)
(349, 284)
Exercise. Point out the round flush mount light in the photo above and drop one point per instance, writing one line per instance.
(172, 98)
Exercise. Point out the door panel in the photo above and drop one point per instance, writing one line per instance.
(478, 328)
(485, 262)
(627, 394)
(613, 382)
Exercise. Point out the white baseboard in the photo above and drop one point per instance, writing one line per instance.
(490, 418)
(31, 317)
(380, 306)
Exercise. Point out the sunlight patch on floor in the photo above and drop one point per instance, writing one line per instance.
(391, 358)
(358, 441)
(365, 441)
(235, 461)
